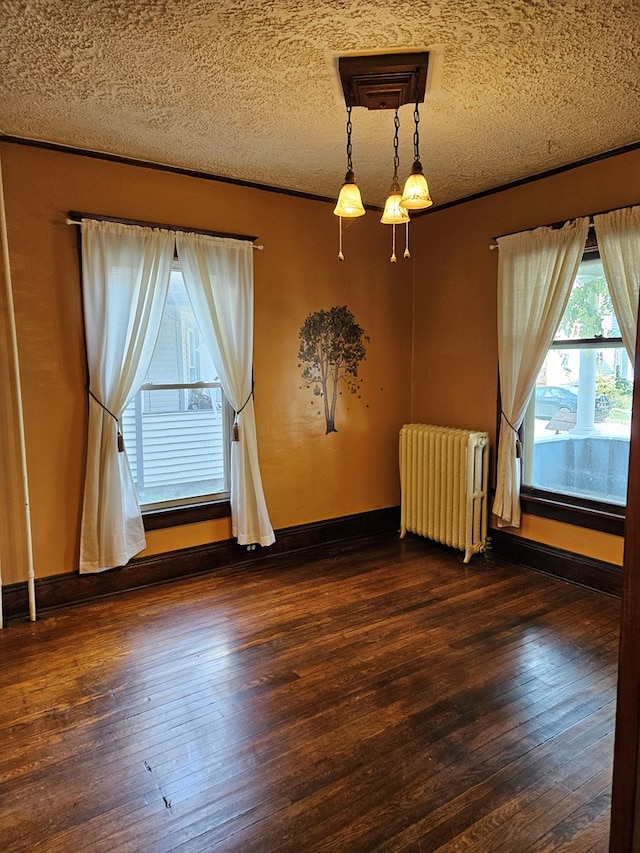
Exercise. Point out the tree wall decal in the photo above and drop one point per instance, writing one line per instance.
(332, 345)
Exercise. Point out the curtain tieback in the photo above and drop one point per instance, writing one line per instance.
(120, 437)
(516, 433)
(236, 431)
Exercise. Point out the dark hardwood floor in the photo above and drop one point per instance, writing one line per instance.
(384, 698)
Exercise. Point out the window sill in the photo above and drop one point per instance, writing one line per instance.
(158, 519)
(583, 513)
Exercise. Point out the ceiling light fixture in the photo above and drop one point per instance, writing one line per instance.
(393, 213)
(381, 83)
(415, 195)
(349, 204)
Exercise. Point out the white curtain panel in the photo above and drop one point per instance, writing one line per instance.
(218, 275)
(125, 277)
(618, 236)
(536, 270)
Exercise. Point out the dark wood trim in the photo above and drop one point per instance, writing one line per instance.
(175, 516)
(540, 176)
(589, 514)
(319, 537)
(625, 802)
(175, 170)
(193, 173)
(584, 571)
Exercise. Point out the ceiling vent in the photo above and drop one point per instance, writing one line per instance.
(384, 82)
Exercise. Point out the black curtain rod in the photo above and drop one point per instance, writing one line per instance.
(564, 222)
(75, 217)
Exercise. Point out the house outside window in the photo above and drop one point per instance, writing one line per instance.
(177, 427)
(578, 423)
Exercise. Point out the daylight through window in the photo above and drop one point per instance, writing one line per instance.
(176, 428)
(578, 424)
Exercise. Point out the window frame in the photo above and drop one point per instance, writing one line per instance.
(570, 509)
(606, 518)
(159, 517)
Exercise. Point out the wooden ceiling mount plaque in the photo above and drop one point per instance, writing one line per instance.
(383, 82)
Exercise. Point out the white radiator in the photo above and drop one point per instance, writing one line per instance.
(443, 482)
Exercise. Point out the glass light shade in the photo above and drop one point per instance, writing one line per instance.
(349, 202)
(393, 213)
(415, 195)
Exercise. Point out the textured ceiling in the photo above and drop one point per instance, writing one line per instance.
(250, 90)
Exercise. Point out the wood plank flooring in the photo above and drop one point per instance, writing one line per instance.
(384, 698)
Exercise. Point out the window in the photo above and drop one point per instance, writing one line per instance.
(176, 428)
(126, 276)
(578, 423)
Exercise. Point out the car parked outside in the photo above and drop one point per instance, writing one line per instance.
(551, 398)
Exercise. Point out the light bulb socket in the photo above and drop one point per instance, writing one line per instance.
(395, 187)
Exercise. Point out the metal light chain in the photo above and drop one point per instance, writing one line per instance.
(349, 148)
(416, 135)
(396, 158)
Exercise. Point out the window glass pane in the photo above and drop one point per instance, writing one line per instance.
(177, 438)
(578, 426)
(589, 312)
(180, 354)
(178, 455)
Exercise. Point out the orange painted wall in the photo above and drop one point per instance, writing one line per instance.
(455, 360)
(307, 475)
(432, 355)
